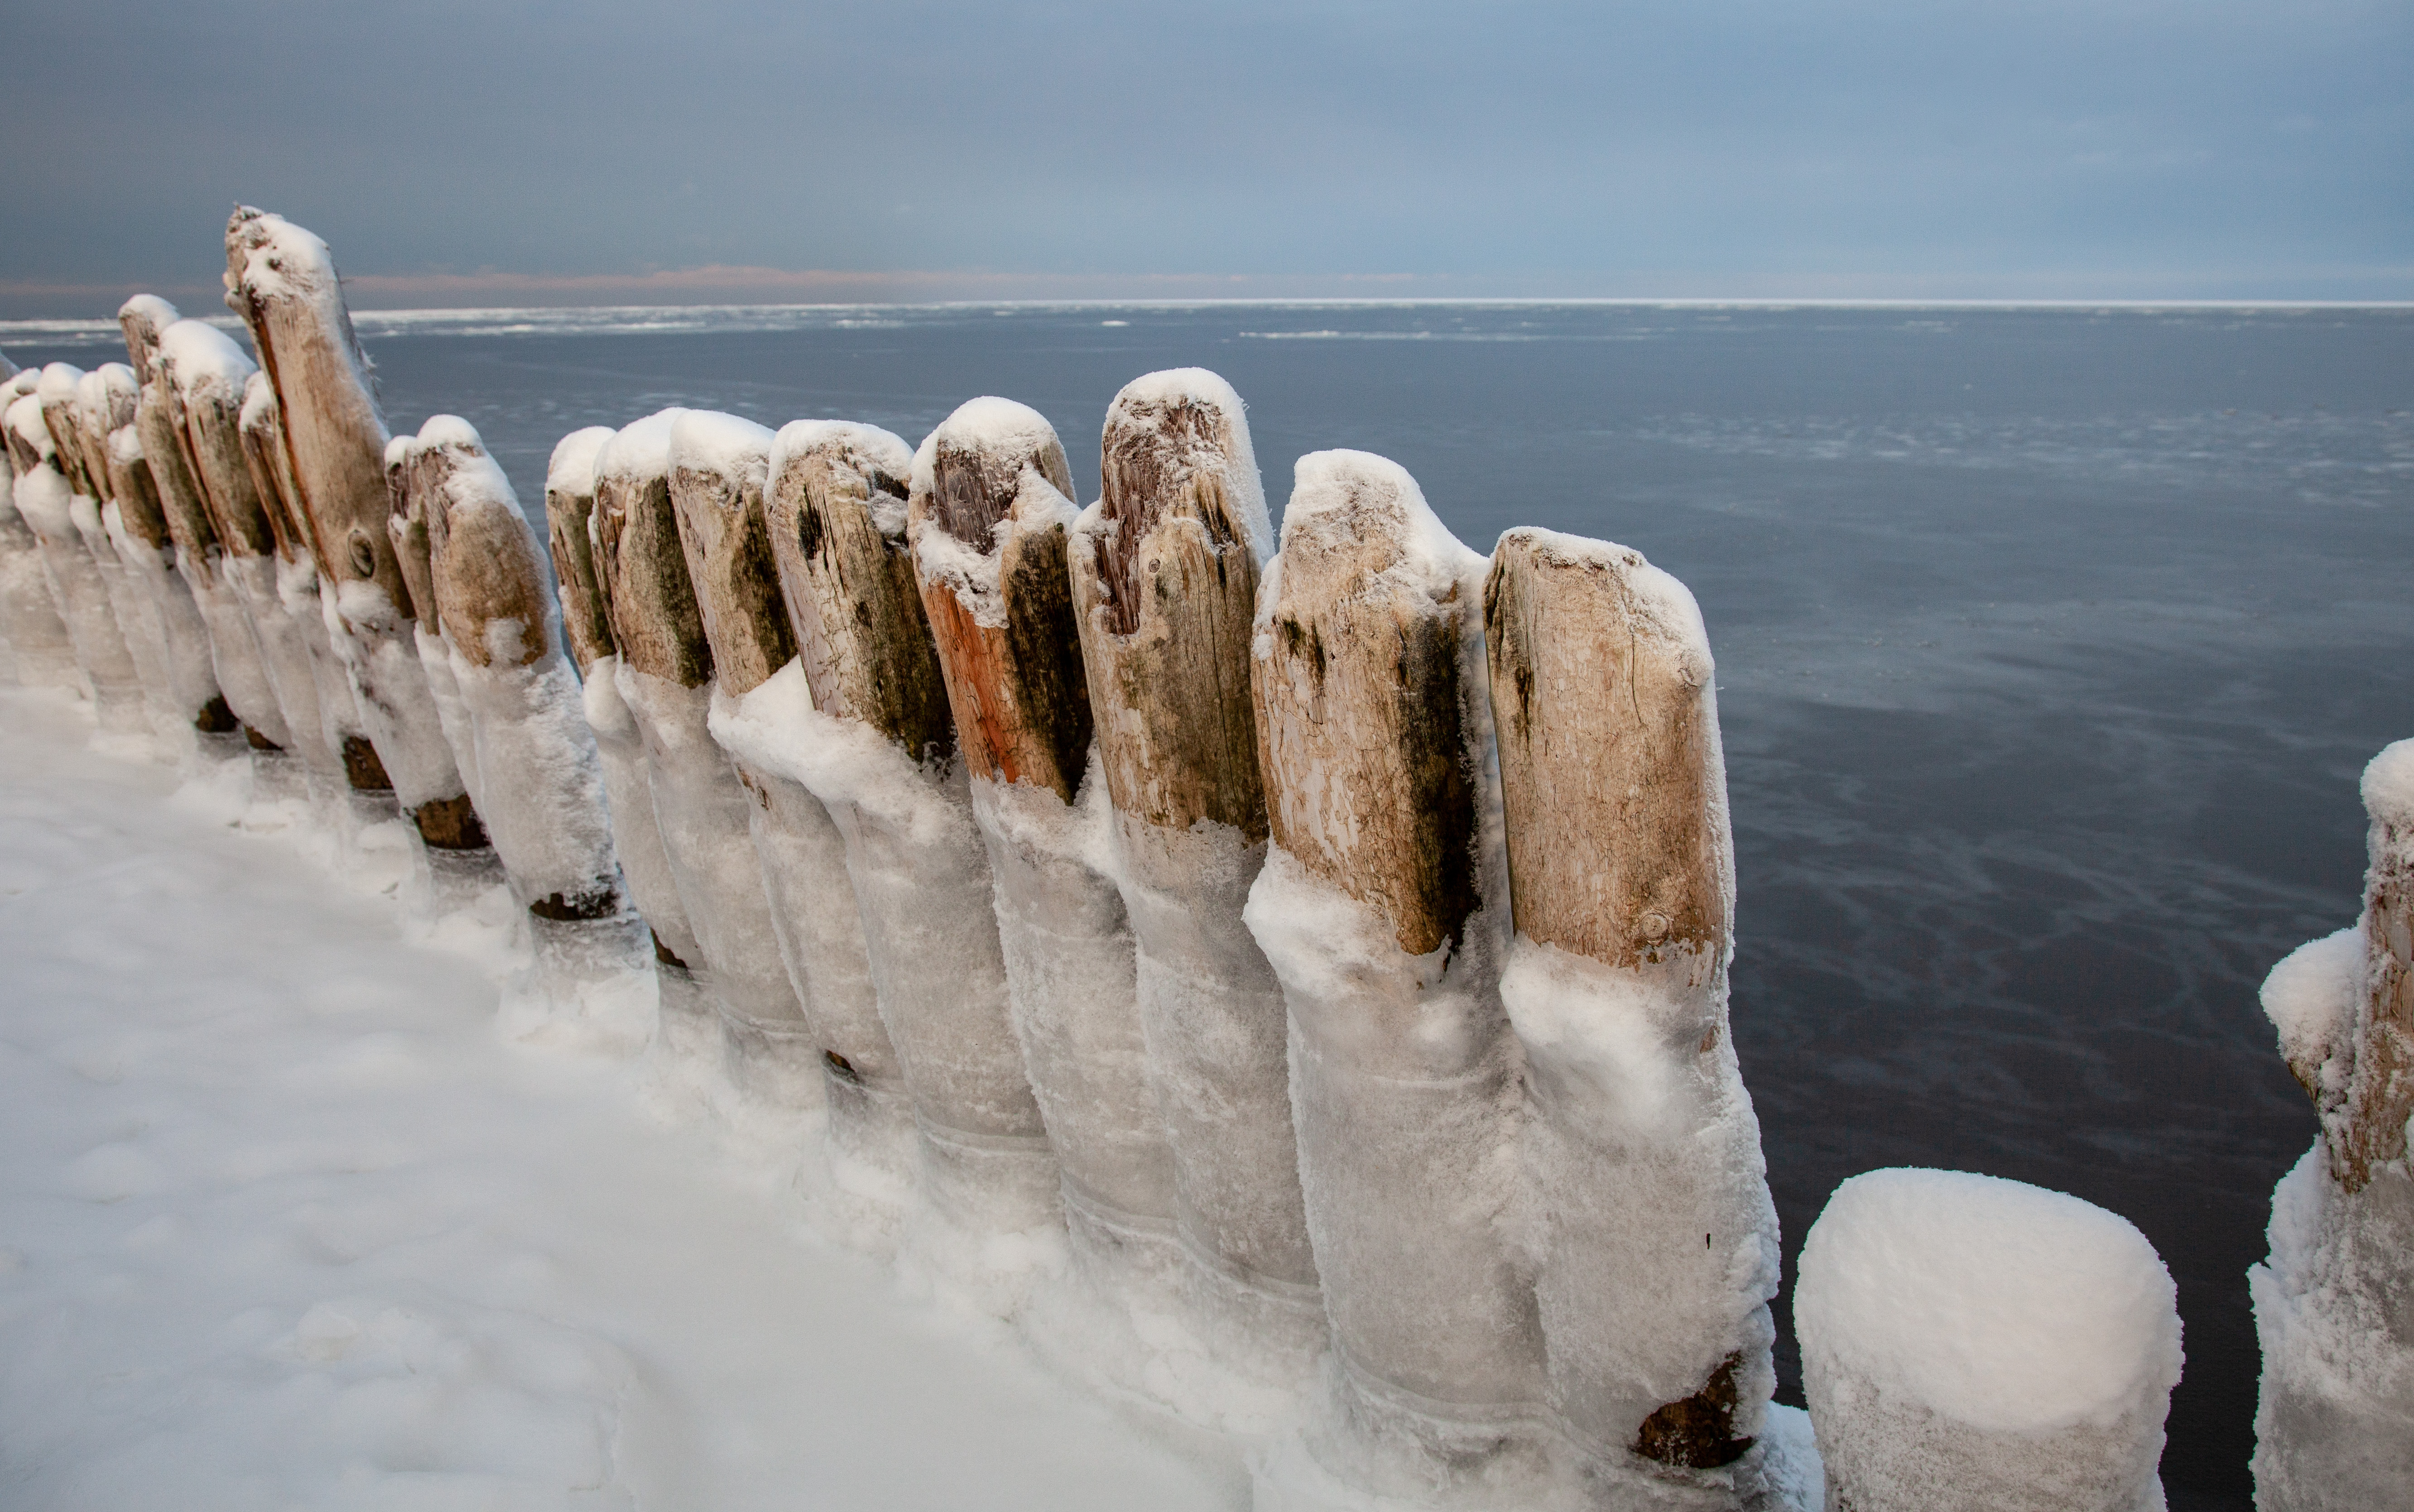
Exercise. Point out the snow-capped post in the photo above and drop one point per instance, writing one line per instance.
(1973, 1344)
(540, 781)
(987, 530)
(2335, 1304)
(358, 788)
(1656, 1238)
(46, 499)
(862, 722)
(701, 809)
(1164, 570)
(206, 375)
(1383, 907)
(282, 281)
(234, 655)
(719, 465)
(38, 644)
(411, 479)
(587, 625)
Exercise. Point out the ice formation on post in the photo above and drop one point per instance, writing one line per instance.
(1973, 1344)
(206, 375)
(190, 703)
(540, 783)
(700, 808)
(1382, 909)
(1164, 569)
(2335, 1304)
(987, 525)
(587, 626)
(282, 281)
(719, 465)
(861, 720)
(105, 401)
(1658, 1244)
(46, 499)
(39, 645)
(238, 681)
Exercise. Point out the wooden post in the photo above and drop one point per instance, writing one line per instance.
(45, 497)
(234, 657)
(1381, 909)
(877, 748)
(773, 1043)
(665, 680)
(1164, 570)
(637, 840)
(138, 524)
(2335, 1304)
(1658, 1243)
(987, 522)
(38, 633)
(82, 427)
(282, 281)
(411, 476)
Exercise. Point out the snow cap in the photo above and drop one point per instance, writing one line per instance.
(452, 434)
(200, 357)
(880, 457)
(109, 396)
(259, 398)
(125, 445)
(271, 256)
(2389, 786)
(1340, 497)
(58, 384)
(707, 440)
(572, 468)
(639, 451)
(23, 420)
(995, 430)
(1992, 1303)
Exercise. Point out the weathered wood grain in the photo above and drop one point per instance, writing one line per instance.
(719, 465)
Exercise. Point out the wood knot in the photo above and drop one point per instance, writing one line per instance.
(1655, 925)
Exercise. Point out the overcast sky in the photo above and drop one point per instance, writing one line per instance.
(481, 151)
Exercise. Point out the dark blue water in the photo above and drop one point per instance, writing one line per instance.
(2051, 644)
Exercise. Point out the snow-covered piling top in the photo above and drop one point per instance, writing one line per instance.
(879, 459)
(200, 359)
(59, 382)
(638, 452)
(1994, 1304)
(270, 256)
(1200, 414)
(2389, 785)
(995, 437)
(572, 468)
(107, 395)
(2310, 998)
(710, 440)
(143, 318)
(1344, 499)
(26, 431)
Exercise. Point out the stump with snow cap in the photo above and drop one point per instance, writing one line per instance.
(1973, 1344)
(38, 644)
(987, 523)
(773, 1046)
(1658, 1239)
(234, 655)
(860, 719)
(1164, 569)
(587, 624)
(47, 499)
(282, 281)
(1381, 907)
(2335, 1304)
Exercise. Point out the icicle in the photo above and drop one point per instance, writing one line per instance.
(46, 499)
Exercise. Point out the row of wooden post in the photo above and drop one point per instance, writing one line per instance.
(1333, 939)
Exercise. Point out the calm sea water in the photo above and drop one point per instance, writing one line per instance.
(2051, 644)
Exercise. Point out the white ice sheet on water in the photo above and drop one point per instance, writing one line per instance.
(286, 1222)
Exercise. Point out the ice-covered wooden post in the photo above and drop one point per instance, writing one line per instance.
(988, 531)
(366, 794)
(206, 377)
(282, 281)
(878, 748)
(540, 781)
(46, 499)
(138, 526)
(1164, 569)
(1973, 1344)
(2335, 1304)
(43, 655)
(719, 465)
(1382, 906)
(106, 400)
(700, 807)
(587, 626)
(411, 476)
(1658, 1239)
(239, 680)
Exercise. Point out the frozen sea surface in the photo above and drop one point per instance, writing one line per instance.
(283, 1223)
(2050, 644)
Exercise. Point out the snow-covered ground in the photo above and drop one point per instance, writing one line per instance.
(286, 1220)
